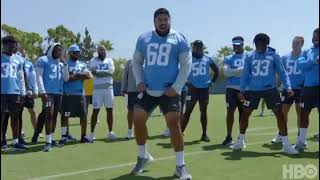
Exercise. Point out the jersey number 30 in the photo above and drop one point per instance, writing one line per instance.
(158, 54)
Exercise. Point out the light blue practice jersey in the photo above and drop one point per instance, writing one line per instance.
(75, 87)
(309, 63)
(161, 65)
(199, 76)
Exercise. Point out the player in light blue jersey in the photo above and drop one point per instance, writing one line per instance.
(161, 65)
(296, 77)
(12, 89)
(232, 69)
(258, 81)
(73, 100)
(198, 84)
(32, 93)
(309, 62)
(51, 71)
(5, 122)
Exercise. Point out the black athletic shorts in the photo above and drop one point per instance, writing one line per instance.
(309, 98)
(232, 98)
(271, 97)
(53, 102)
(296, 98)
(132, 100)
(73, 106)
(198, 94)
(89, 100)
(10, 103)
(166, 104)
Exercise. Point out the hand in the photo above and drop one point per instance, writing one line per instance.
(141, 87)
(171, 92)
(29, 94)
(241, 97)
(44, 97)
(63, 57)
(22, 99)
(290, 92)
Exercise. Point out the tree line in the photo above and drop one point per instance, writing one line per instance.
(32, 45)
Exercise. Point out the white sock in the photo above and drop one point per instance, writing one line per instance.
(52, 136)
(129, 130)
(285, 140)
(303, 135)
(14, 141)
(180, 158)
(64, 130)
(48, 138)
(241, 137)
(143, 151)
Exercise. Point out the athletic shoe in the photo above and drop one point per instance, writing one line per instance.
(277, 139)
(182, 173)
(141, 164)
(112, 135)
(63, 140)
(47, 147)
(19, 146)
(238, 145)
(299, 146)
(166, 133)
(205, 138)
(91, 137)
(22, 141)
(84, 139)
(4, 145)
(289, 149)
(130, 135)
(227, 141)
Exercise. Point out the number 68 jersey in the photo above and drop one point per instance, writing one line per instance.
(259, 71)
(161, 58)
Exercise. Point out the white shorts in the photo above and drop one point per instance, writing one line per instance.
(103, 97)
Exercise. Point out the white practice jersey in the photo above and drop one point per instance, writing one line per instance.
(107, 65)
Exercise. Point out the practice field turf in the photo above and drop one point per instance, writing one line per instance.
(104, 160)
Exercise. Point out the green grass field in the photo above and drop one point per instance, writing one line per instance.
(106, 160)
